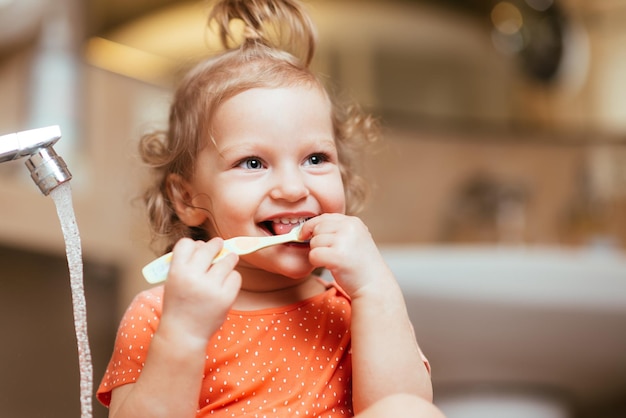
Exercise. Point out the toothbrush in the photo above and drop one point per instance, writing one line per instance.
(156, 271)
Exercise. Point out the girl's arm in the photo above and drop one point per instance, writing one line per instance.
(196, 300)
(386, 359)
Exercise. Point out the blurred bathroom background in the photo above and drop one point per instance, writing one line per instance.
(499, 194)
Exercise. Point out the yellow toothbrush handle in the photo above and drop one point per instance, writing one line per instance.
(156, 271)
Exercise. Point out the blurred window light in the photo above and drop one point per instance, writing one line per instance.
(540, 5)
(128, 61)
(506, 18)
(155, 47)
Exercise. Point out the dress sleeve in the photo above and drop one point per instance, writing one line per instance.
(134, 335)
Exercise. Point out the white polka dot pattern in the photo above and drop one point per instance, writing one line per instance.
(281, 362)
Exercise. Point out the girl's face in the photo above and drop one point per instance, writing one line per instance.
(274, 164)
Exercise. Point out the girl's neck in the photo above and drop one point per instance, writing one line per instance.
(275, 291)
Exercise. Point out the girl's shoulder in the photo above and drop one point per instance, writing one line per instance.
(147, 300)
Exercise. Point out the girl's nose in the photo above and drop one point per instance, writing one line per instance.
(289, 185)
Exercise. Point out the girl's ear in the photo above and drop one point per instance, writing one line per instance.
(180, 194)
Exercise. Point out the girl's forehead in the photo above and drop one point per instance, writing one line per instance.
(278, 115)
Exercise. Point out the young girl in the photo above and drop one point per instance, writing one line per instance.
(256, 147)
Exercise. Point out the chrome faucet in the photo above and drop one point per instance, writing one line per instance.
(47, 169)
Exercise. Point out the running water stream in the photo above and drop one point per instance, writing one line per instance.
(62, 196)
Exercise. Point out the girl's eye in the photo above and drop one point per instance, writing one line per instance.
(251, 163)
(317, 159)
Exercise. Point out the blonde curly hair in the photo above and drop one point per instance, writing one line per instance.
(278, 45)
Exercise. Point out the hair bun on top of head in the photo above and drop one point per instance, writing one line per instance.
(280, 24)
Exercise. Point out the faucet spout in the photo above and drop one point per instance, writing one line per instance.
(47, 168)
(25, 143)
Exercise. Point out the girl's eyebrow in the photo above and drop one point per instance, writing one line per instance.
(244, 147)
(328, 145)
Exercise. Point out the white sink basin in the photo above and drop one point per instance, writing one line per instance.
(544, 320)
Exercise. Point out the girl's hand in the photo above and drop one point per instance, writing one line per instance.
(343, 245)
(198, 295)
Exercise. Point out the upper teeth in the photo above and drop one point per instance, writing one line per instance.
(288, 221)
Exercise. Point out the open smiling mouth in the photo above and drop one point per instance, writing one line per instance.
(282, 226)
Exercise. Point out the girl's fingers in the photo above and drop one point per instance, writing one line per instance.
(183, 250)
(307, 230)
(205, 253)
(226, 265)
(195, 257)
(323, 224)
(323, 240)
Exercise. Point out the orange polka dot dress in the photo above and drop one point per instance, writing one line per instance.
(280, 362)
